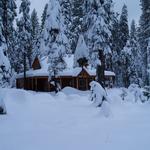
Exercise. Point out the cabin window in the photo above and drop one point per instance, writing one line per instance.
(82, 84)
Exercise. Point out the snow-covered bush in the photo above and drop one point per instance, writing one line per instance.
(99, 97)
(136, 91)
(146, 92)
(56, 85)
(124, 93)
(98, 94)
(5, 70)
(2, 107)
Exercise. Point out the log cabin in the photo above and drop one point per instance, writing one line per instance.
(37, 79)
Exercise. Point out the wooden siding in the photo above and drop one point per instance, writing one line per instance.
(80, 82)
(42, 84)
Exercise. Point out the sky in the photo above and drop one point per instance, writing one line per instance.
(134, 10)
(133, 7)
(38, 5)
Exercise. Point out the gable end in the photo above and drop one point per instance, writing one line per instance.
(36, 64)
(83, 73)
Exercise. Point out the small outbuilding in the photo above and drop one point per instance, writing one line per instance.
(79, 77)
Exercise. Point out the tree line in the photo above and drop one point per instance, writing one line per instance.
(66, 23)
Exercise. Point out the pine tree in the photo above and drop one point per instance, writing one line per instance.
(40, 42)
(81, 55)
(136, 56)
(126, 60)
(25, 43)
(8, 14)
(77, 15)
(133, 30)
(99, 33)
(120, 36)
(44, 14)
(144, 35)
(116, 50)
(130, 59)
(4, 62)
(66, 12)
(25, 24)
(18, 53)
(55, 40)
(98, 20)
(148, 61)
(123, 27)
(35, 33)
(34, 24)
(15, 64)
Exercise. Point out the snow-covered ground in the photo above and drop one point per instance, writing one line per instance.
(69, 121)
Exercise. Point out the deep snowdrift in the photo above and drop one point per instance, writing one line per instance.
(69, 121)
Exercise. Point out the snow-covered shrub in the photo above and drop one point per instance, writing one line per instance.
(56, 85)
(13, 80)
(2, 107)
(98, 94)
(99, 97)
(5, 70)
(136, 91)
(146, 92)
(124, 93)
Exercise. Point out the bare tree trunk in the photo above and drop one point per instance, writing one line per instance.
(101, 69)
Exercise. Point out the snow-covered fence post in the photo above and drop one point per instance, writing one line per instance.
(99, 97)
(2, 107)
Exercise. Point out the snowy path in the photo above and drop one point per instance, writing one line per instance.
(40, 121)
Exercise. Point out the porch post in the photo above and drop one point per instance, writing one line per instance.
(32, 83)
(61, 82)
(86, 83)
(77, 83)
(48, 84)
(36, 84)
(73, 82)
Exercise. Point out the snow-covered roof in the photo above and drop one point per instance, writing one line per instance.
(69, 71)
